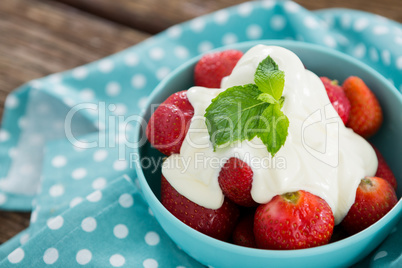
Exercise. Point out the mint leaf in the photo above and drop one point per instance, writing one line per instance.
(265, 97)
(234, 114)
(269, 78)
(276, 124)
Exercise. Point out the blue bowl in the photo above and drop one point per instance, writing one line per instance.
(211, 252)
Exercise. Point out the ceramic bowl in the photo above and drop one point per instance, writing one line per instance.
(211, 252)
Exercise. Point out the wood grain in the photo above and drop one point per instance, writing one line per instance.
(43, 37)
(156, 15)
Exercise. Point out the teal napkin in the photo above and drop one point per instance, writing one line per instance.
(66, 139)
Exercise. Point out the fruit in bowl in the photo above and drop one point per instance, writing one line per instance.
(311, 193)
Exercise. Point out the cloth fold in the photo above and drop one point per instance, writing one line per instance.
(66, 139)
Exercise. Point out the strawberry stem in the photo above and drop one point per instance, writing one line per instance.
(291, 197)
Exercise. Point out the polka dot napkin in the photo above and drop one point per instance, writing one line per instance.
(64, 141)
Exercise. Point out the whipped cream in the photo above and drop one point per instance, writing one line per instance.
(320, 154)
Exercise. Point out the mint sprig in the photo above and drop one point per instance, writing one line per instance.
(243, 112)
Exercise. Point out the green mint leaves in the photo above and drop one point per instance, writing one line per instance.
(243, 112)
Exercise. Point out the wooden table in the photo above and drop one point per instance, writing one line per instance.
(40, 37)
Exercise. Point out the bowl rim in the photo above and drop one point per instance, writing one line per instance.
(395, 212)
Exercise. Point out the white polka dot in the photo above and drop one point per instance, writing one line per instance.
(23, 122)
(79, 173)
(291, 7)
(80, 73)
(156, 53)
(51, 255)
(120, 231)
(4, 135)
(278, 22)
(55, 223)
(59, 161)
(75, 201)
(197, 24)
(100, 155)
(142, 102)
(87, 94)
(181, 52)
(131, 59)
(56, 190)
(386, 57)
(138, 81)
(106, 66)
(229, 38)
(254, 31)
(150, 263)
(380, 255)
(16, 256)
(373, 54)
(119, 165)
(34, 216)
(398, 40)
(99, 183)
(84, 256)
(55, 78)
(380, 30)
(310, 22)
(24, 239)
(120, 109)
(330, 41)
(3, 199)
(95, 196)
(150, 212)
(359, 51)
(268, 4)
(69, 101)
(162, 72)
(113, 89)
(205, 46)
(12, 102)
(174, 31)
(399, 63)
(88, 224)
(245, 9)
(36, 139)
(126, 200)
(60, 89)
(117, 260)
(346, 21)
(221, 16)
(36, 84)
(361, 24)
(152, 238)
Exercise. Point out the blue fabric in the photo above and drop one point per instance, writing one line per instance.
(81, 186)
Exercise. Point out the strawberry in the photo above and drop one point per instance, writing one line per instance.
(217, 223)
(338, 98)
(365, 115)
(169, 124)
(293, 221)
(243, 234)
(211, 68)
(374, 198)
(383, 170)
(235, 180)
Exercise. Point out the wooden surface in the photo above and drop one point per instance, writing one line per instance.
(40, 37)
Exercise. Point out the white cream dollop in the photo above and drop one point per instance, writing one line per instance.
(320, 154)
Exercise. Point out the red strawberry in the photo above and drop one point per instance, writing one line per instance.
(293, 221)
(374, 198)
(217, 223)
(243, 234)
(338, 98)
(235, 180)
(169, 124)
(212, 67)
(383, 170)
(365, 114)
